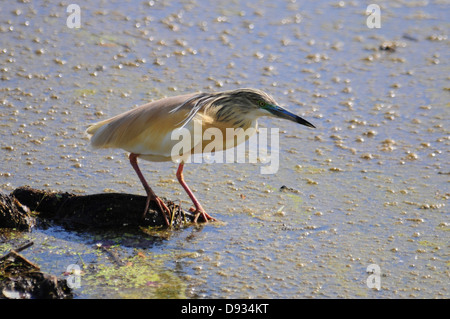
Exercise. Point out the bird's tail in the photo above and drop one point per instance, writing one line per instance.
(91, 130)
(97, 137)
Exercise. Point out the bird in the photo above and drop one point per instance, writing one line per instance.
(146, 131)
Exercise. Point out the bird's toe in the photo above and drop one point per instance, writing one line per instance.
(201, 212)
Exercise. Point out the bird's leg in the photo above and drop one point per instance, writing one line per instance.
(198, 208)
(150, 193)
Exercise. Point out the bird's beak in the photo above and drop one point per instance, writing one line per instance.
(280, 112)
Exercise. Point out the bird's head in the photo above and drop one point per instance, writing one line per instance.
(257, 103)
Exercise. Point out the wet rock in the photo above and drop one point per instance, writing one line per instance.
(287, 189)
(106, 210)
(13, 214)
(22, 279)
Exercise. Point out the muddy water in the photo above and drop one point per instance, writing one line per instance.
(368, 186)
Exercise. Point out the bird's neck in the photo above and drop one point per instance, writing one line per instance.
(234, 123)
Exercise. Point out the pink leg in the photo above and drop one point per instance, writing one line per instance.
(150, 194)
(198, 208)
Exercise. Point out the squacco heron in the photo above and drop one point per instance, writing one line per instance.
(146, 131)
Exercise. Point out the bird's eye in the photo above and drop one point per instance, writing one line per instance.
(261, 103)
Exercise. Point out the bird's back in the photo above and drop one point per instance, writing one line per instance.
(142, 130)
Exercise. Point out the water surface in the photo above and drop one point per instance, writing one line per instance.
(368, 186)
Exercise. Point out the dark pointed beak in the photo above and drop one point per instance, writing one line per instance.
(280, 112)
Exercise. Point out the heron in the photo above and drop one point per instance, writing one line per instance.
(146, 131)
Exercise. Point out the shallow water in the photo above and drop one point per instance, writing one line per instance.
(368, 186)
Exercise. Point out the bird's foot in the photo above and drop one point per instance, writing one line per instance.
(201, 212)
(162, 207)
